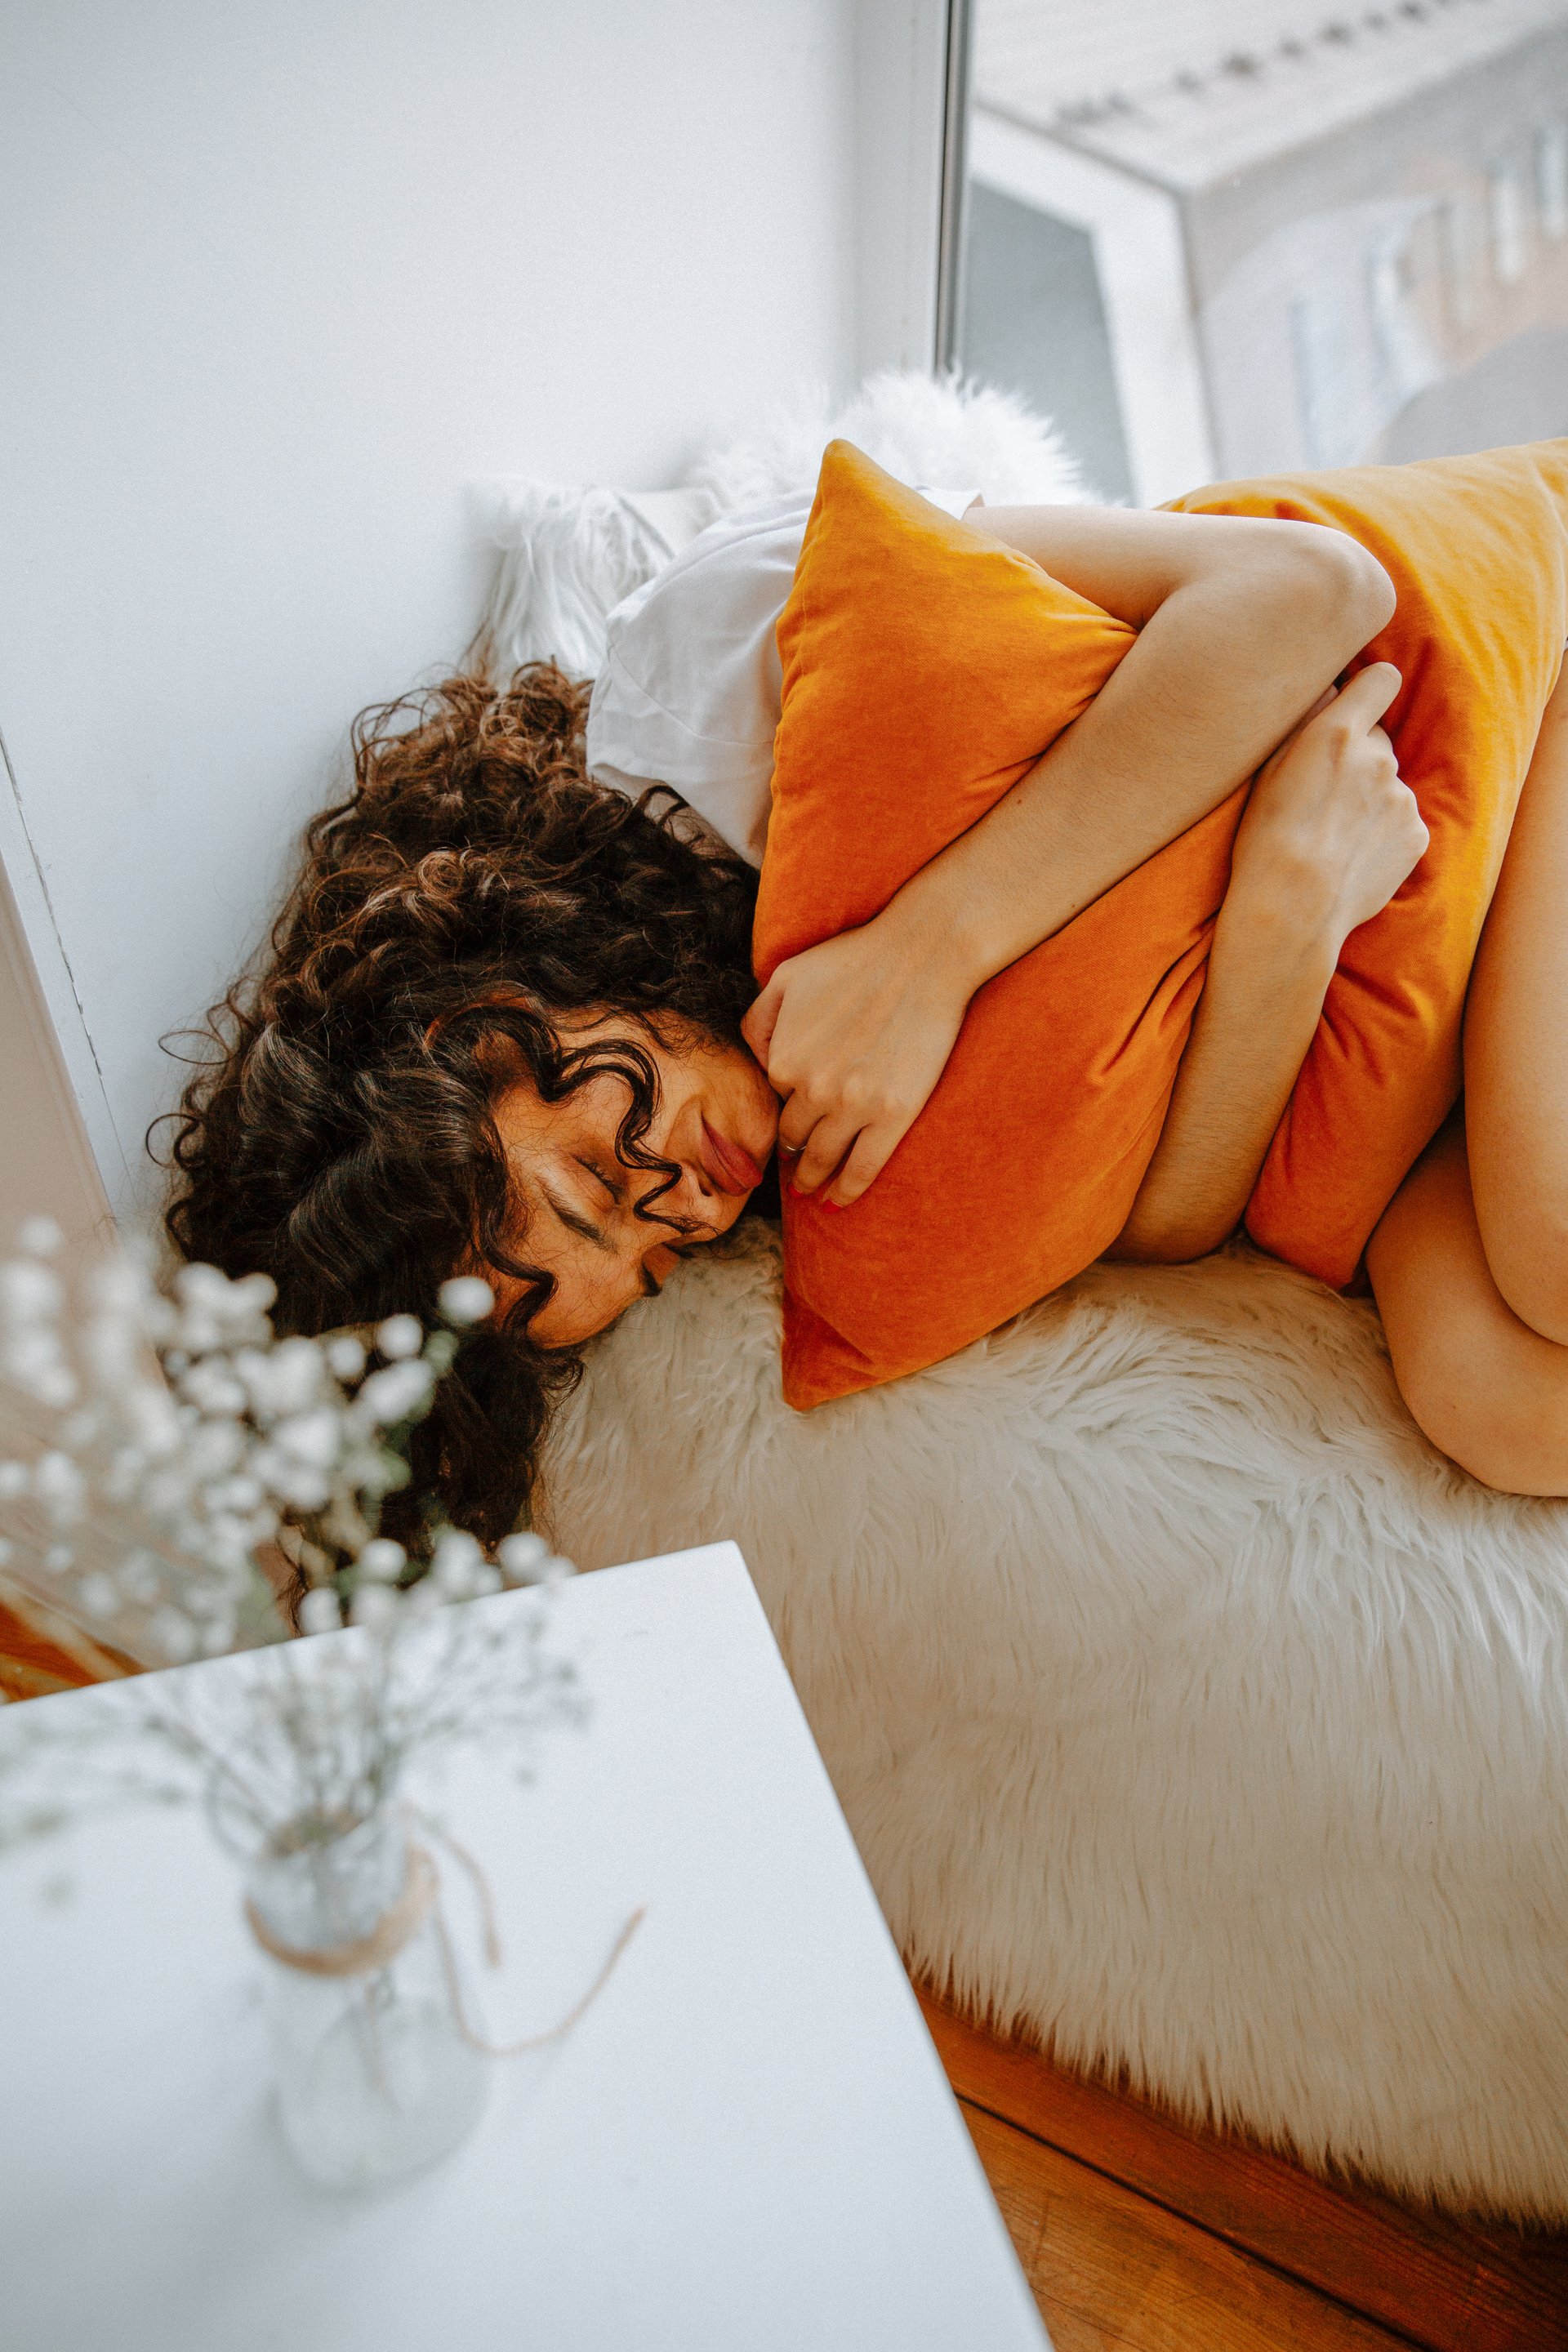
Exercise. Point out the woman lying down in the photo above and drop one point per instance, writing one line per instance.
(508, 1023)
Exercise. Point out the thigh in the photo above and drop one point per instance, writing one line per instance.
(1486, 1388)
(1516, 1049)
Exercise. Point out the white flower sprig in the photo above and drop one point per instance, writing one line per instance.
(156, 1444)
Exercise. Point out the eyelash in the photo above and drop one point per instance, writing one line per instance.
(611, 1187)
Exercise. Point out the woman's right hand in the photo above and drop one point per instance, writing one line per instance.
(854, 1033)
(1331, 831)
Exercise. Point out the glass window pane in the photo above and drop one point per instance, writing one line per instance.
(1235, 235)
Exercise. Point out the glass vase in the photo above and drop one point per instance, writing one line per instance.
(378, 2074)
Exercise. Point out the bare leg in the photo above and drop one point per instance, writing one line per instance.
(1485, 1387)
(1516, 1049)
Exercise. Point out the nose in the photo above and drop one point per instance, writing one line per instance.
(700, 1202)
(696, 1194)
(690, 1200)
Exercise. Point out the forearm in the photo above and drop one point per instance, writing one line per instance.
(1262, 998)
(1242, 625)
(1223, 665)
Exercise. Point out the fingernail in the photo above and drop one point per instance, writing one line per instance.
(833, 1204)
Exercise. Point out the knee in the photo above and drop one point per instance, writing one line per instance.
(1529, 1260)
(1501, 1429)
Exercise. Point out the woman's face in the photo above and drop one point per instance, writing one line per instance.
(717, 1120)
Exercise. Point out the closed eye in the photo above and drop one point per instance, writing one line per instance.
(574, 1223)
(613, 1186)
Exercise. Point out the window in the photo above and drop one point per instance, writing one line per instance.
(1224, 239)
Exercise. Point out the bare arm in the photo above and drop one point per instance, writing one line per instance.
(1242, 625)
(1330, 835)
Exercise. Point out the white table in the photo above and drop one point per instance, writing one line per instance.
(746, 2144)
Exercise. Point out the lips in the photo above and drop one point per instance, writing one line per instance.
(732, 1170)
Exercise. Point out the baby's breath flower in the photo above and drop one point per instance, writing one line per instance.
(299, 1485)
(456, 1565)
(29, 1293)
(314, 1437)
(216, 1449)
(183, 1439)
(228, 1540)
(399, 1336)
(465, 1299)
(381, 1560)
(241, 1494)
(346, 1356)
(213, 1390)
(153, 1420)
(395, 1393)
(33, 1360)
(319, 1611)
(522, 1556)
(286, 1379)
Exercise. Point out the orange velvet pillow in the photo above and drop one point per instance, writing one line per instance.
(924, 669)
(1477, 551)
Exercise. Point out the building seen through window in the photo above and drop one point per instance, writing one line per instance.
(1238, 236)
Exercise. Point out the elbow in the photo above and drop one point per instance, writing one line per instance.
(1340, 588)
(1369, 593)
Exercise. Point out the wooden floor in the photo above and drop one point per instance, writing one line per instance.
(33, 1665)
(1140, 2234)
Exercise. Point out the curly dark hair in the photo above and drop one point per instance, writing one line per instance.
(336, 1133)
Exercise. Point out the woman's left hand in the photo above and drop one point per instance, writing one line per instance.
(854, 1033)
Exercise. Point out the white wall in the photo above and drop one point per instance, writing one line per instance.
(278, 280)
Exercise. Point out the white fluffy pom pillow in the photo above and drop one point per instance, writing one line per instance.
(568, 556)
(920, 428)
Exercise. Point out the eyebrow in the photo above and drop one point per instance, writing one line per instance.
(576, 1224)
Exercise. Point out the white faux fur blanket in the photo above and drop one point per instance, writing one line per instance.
(1188, 1708)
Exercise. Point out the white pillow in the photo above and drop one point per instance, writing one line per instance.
(567, 559)
(690, 692)
(569, 556)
